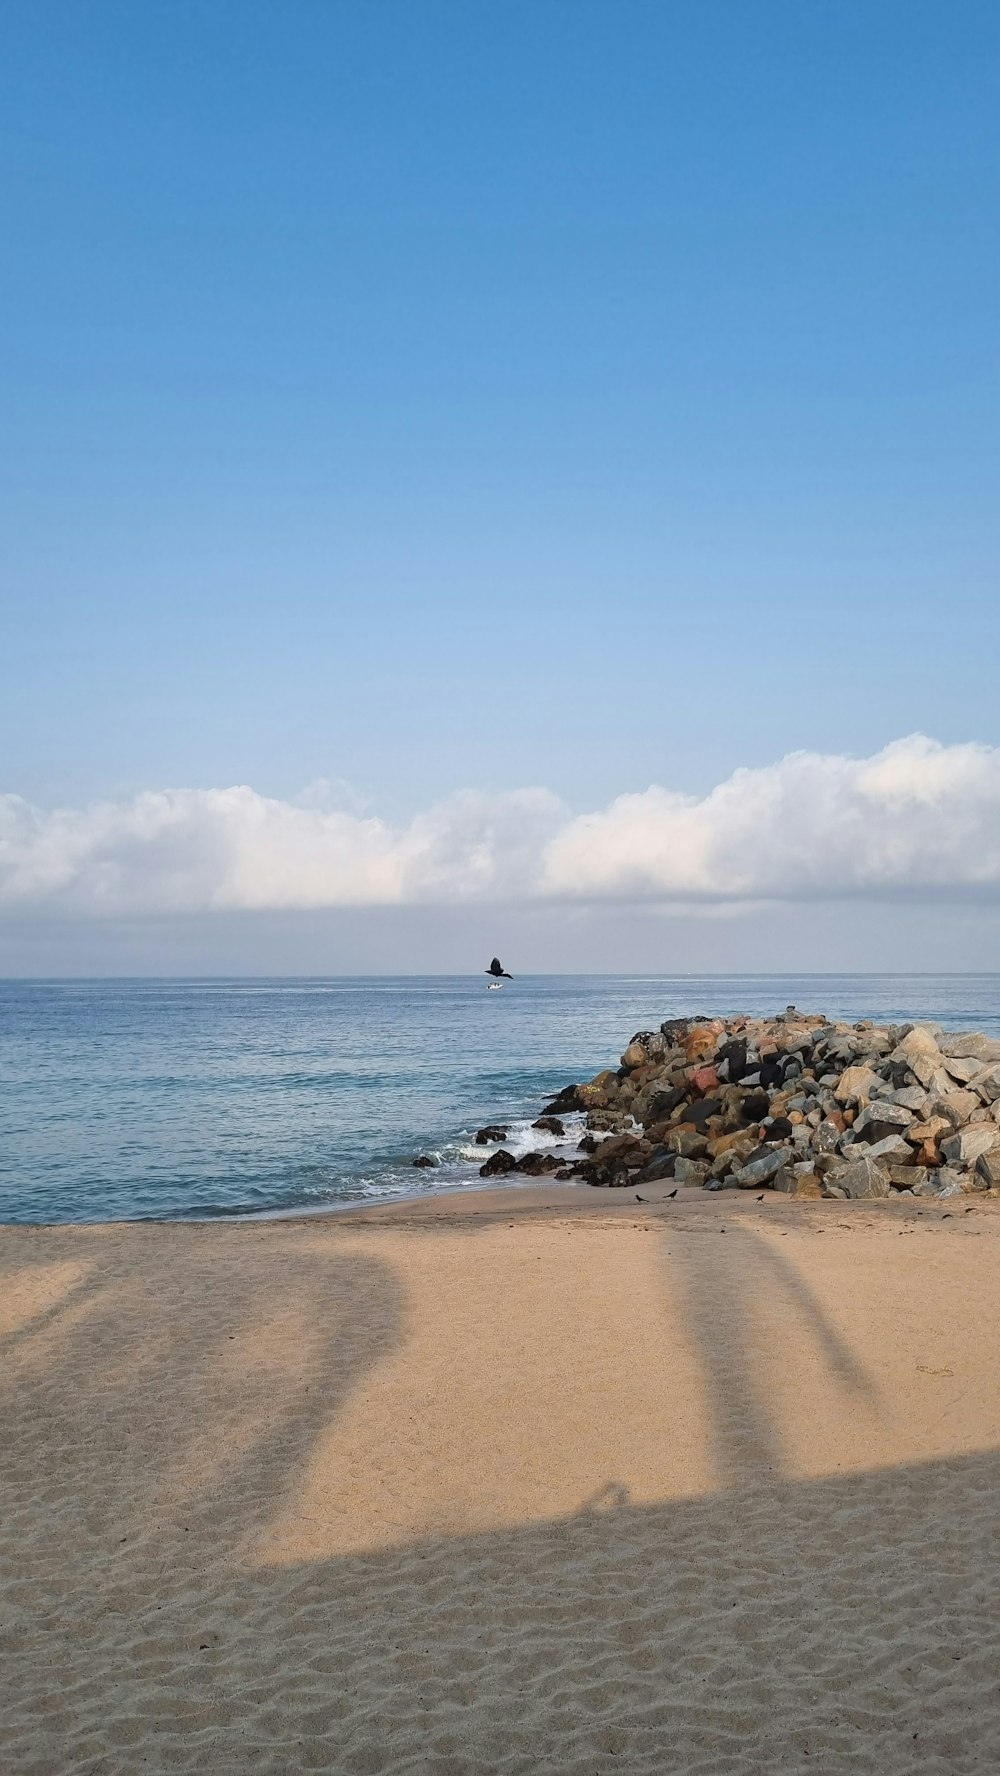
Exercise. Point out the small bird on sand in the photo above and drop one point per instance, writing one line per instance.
(671, 1194)
(760, 1199)
(498, 972)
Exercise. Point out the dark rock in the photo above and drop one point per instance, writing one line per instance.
(660, 1165)
(608, 1174)
(605, 1120)
(551, 1124)
(563, 1101)
(700, 1111)
(492, 1132)
(755, 1106)
(425, 1160)
(663, 1104)
(498, 1163)
(535, 1164)
(779, 1129)
(630, 1148)
(734, 1053)
(587, 1144)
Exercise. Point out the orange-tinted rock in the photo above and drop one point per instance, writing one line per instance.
(701, 1041)
(635, 1055)
(724, 1143)
(703, 1080)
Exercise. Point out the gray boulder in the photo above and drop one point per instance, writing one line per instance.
(893, 1149)
(907, 1177)
(988, 1168)
(691, 1171)
(862, 1177)
(762, 1167)
(970, 1043)
(880, 1118)
(912, 1097)
(962, 1069)
(964, 1147)
(957, 1105)
(986, 1082)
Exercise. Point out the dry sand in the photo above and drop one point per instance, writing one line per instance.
(534, 1480)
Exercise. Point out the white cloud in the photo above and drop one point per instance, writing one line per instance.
(917, 818)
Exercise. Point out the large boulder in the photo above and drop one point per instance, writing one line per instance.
(563, 1100)
(635, 1055)
(861, 1177)
(703, 1081)
(961, 1069)
(931, 1072)
(661, 1165)
(912, 1097)
(699, 1042)
(881, 1118)
(663, 1104)
(535, 1164)
(893, 1149)
(691, 1171)
(907, 1177)
(498, 1163)
(964, 1147)
(855, 1085)
(918, 1041)
(988, 1168)
(762, 1166)
(798, 1180)
(686, 1143)
(970, 1043)
(956, 1104)
(930, 1128)
(552, 1125)
(631, 1148)
(987, 1082)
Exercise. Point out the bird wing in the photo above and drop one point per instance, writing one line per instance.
(496, 966)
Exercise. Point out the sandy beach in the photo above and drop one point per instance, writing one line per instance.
(535, 1479)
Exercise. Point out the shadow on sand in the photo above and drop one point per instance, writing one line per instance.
(844, 1623)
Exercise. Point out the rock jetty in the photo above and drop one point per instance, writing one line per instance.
(791, 1103)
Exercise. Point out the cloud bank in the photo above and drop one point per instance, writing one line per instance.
(917, 819)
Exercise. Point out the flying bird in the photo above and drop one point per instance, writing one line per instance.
(497, 971)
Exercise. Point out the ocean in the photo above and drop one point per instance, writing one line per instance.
(138, 1099)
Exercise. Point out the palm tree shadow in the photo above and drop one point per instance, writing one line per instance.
(721, 1287)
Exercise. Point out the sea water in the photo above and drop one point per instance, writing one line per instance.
(169, 1098)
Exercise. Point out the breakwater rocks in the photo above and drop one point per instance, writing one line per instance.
(792, 1103)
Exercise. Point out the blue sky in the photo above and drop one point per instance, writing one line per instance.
(428, 397)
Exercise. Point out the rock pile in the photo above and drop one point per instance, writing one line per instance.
(794, 1103)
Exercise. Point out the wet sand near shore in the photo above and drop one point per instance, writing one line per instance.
(525, 1479)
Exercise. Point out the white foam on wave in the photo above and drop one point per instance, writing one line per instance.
(521, 1137)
